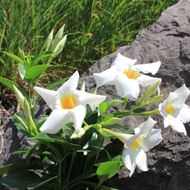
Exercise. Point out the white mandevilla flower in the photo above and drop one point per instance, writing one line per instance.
(137, 145)
(68, 105)
(127, 76)
(175, 111)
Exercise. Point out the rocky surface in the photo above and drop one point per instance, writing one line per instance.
(167, 40)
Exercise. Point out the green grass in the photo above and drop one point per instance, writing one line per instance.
(94, 27)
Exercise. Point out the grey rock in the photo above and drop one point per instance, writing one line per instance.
(167, 40)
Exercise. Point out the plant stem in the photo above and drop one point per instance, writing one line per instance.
(70, 167)
(125, 101)
(59, 175)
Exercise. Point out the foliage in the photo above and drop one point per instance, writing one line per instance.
(95, 28)
(57, 161)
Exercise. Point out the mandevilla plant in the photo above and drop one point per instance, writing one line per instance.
(73, 147)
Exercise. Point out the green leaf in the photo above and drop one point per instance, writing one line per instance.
(25, 180)
(109, 168)
(103, 107)
(13, 56)
(34, 72)
(8, 83)
(40, 57)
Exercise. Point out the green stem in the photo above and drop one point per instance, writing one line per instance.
(125, 101)
(145, 113)
(59, 174)
(70, 167)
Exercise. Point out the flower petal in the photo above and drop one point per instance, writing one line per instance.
(57, 119)
(78, 114)
(184, 114)
(152, 140)
(49, 96)
(141, 160)
(145, 80)
(106, 77)
(145, 127)
(176, 124)
(129, 160)
(70, 84)
(149, 68)
(92, 100)
(127, 87)
(122, 62)
(179, 96)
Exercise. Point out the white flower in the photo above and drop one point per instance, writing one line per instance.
(175, 111)
(68, 105)
(135, 148)
(127, 76)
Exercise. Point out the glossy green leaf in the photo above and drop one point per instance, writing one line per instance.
(34, 72)
(103, 107)
(109, 168)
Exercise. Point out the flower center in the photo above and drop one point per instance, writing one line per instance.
(136, 143)
(170, 109)
(68, 101)
(132, 74)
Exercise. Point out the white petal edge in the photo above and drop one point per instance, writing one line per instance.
(49, 96)
(176, 124)
(57, 119)
(78, 114)
(92, 100)
(122, 62)
(149, 68)
(145, 127)
(106, 77)
(141, 160)
(184, 114)
(153, 139)
(145, 80)
(129, 161)
(70, 84)
(127, 87)
(179, 96)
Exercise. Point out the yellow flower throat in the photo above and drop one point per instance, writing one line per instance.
(136, 143)
(68, 101)
(169, 109)
(132, 74)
